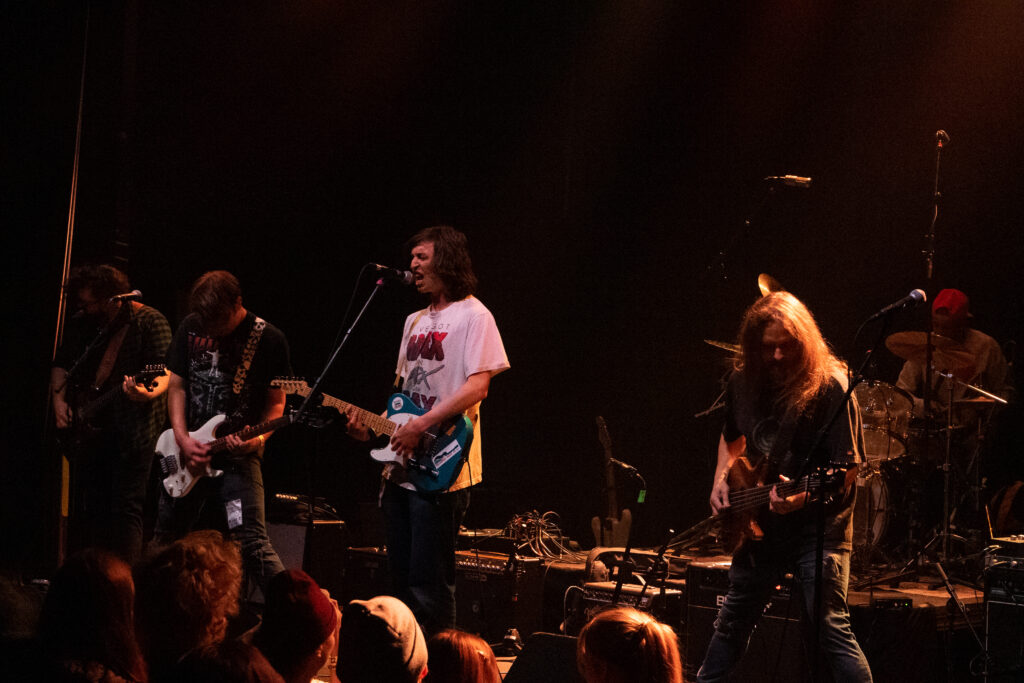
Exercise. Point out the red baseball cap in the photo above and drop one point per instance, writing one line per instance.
(955, 302)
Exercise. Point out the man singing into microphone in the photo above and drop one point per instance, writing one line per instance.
(448, 355)
(785, 387)
(114, 450)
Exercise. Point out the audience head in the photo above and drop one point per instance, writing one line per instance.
(459, 657)
(232, 661)
(300, 625)
(624, 645)
(185, 594)
(380, 642)
(87, 615)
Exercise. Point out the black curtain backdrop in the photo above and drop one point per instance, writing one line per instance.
(599, 156)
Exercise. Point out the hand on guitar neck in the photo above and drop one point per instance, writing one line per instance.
(784, 505)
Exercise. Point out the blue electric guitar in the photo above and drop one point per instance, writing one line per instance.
(438, 460)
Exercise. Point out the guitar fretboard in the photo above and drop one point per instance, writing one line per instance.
(218, 445)
(749, 499)
(378, 424)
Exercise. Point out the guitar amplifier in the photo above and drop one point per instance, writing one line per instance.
(495, 592)
(597, 595)
(366, 574)
(776, 651)
(1004, 620)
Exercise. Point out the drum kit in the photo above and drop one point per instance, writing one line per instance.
(904, 485)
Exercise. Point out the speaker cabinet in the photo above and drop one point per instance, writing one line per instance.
(776, 651)
(596, 596)
(546, 658)
(366, 574)
(1004, 621)
(318, 550)
(494, 593)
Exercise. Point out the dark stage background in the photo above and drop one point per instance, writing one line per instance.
(599, 155)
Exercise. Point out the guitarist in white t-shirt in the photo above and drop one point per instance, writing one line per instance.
(448, 355)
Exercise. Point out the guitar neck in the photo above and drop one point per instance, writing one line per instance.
(379, 424)
(749, 499)
(93, 407)
(218, 445)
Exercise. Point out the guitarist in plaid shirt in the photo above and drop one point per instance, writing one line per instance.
(110, 466)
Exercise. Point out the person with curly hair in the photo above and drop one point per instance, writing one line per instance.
(459, 657)
(185, 595)
(625, 645)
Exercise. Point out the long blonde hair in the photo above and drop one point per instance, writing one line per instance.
(815, 365)
(630, 646)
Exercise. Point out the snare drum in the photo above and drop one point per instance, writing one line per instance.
(885, 412)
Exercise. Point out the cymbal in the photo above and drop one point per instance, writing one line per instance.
(947, 354)
(734, 348)
(767, 284)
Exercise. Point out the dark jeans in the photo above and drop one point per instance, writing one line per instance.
(421, 535)
(238, 509)
(110, 489)
(756, 569)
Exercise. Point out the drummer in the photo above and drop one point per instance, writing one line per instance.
(987, 368)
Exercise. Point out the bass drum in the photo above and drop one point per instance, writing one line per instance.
(893, 501)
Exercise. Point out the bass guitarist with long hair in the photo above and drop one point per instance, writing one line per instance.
(785, 386)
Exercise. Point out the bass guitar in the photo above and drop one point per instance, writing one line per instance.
(748, 494)
(91, 403)
(178, 480)
(613, 530)
(436, 463)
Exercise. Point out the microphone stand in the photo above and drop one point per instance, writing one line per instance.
(821, 466)
(314, 392)
(719, 261)
(626, 565)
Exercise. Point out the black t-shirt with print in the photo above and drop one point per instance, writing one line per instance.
(209, 365)
(752, 414)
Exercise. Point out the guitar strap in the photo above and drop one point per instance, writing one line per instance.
(250, 350)
(110, 355)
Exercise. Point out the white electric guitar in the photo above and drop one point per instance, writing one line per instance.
(178, 480)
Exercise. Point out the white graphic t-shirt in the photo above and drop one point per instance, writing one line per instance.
(439, 352)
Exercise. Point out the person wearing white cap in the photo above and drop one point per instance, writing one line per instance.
(380, 642)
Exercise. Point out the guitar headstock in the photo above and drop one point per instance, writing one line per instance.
(291, 385)
(147, 378)
(603, 436)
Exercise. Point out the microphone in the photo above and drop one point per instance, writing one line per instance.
(134, 295)
(402, 276)
(623, 465)
(791, 180)
(941, 137)
(916, 297)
